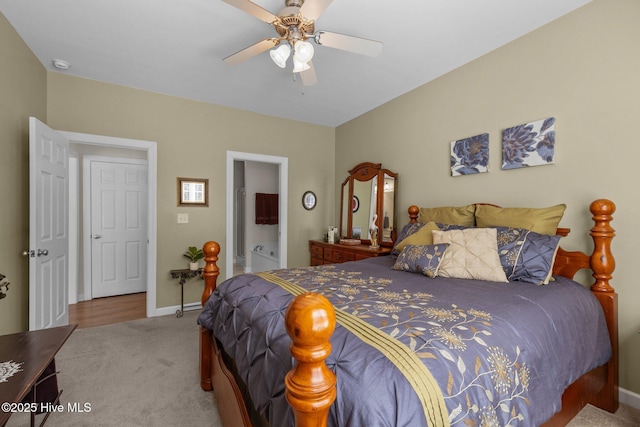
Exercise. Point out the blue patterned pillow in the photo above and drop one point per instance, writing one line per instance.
(423, 259)
(447, 227)
(525, 255)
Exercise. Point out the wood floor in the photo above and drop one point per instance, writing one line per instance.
(105, 311)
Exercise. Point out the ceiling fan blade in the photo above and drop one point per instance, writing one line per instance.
(309, 77)
(312, 9)
(253, 9)
(349, 43)
(251, 51)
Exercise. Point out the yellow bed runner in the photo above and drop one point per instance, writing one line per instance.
(400, 355)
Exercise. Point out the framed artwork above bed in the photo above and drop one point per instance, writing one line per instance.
(470, 155)
(530, 144)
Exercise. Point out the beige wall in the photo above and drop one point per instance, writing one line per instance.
(584, 70)
(22, 94)
(193, 138)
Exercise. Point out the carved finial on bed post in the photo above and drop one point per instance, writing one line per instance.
(211, 271)
(602, 261)
(414, 211)
(311, 386)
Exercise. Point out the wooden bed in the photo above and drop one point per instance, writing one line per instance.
(310, 320)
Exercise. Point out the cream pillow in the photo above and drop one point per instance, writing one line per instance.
(472, 254)
(421, 237)
(458, 215)
(540, 220)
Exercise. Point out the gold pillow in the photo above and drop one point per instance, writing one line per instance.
(540, 220)
(472, 254)
(421, 237)
(461, 215)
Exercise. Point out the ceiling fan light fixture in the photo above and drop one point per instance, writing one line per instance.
(299, 66)
(280, 55)
(303, 51)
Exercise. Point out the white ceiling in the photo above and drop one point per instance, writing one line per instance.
(176, 47)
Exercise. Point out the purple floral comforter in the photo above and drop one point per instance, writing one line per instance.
(499, 353)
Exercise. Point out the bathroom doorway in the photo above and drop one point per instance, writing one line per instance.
(255, 247)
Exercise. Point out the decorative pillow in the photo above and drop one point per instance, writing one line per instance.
(423, 259)
(510, 241)
(540, 220)
(472, 254)
(525, 255)
(462, 215)
(447, 227)
(412, 228)
(536, 260)
(406, 231)
(422, 236)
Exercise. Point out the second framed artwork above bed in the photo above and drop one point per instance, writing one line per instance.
(474, 320)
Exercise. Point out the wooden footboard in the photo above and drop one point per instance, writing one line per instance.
(310, 320)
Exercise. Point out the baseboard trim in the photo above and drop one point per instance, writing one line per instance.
(629, 398)
(165, 311)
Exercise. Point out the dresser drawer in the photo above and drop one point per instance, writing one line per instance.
(332, 253)
(339, 256)
(316, 251)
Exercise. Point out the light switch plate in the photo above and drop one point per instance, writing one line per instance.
(183, 218)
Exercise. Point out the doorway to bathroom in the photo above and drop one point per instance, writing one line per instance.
(256, 191)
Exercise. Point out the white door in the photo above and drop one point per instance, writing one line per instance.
(48, 226)
(118, 227)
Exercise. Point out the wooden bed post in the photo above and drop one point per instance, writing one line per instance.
(603, 264)
(414, 211)
(210, 275)
(311, 386)
(211, 271)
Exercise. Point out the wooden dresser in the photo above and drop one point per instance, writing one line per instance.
(333, 253)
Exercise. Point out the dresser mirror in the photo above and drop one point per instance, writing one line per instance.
(361, 201)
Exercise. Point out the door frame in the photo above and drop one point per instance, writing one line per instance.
(151, 149)
(87, 263)
(283, 178)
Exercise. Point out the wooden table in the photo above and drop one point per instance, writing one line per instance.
(35, 352)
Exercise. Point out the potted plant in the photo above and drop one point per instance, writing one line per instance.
(194, 254)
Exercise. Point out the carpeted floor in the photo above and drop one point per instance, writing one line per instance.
(145, 373)
(591, 416)
(138, 373)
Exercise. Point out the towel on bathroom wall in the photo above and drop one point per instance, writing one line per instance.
(266, 208)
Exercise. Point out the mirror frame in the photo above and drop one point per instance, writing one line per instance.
(364, 172)
(309, 200)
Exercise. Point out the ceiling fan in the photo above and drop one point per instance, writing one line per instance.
(295, 24)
